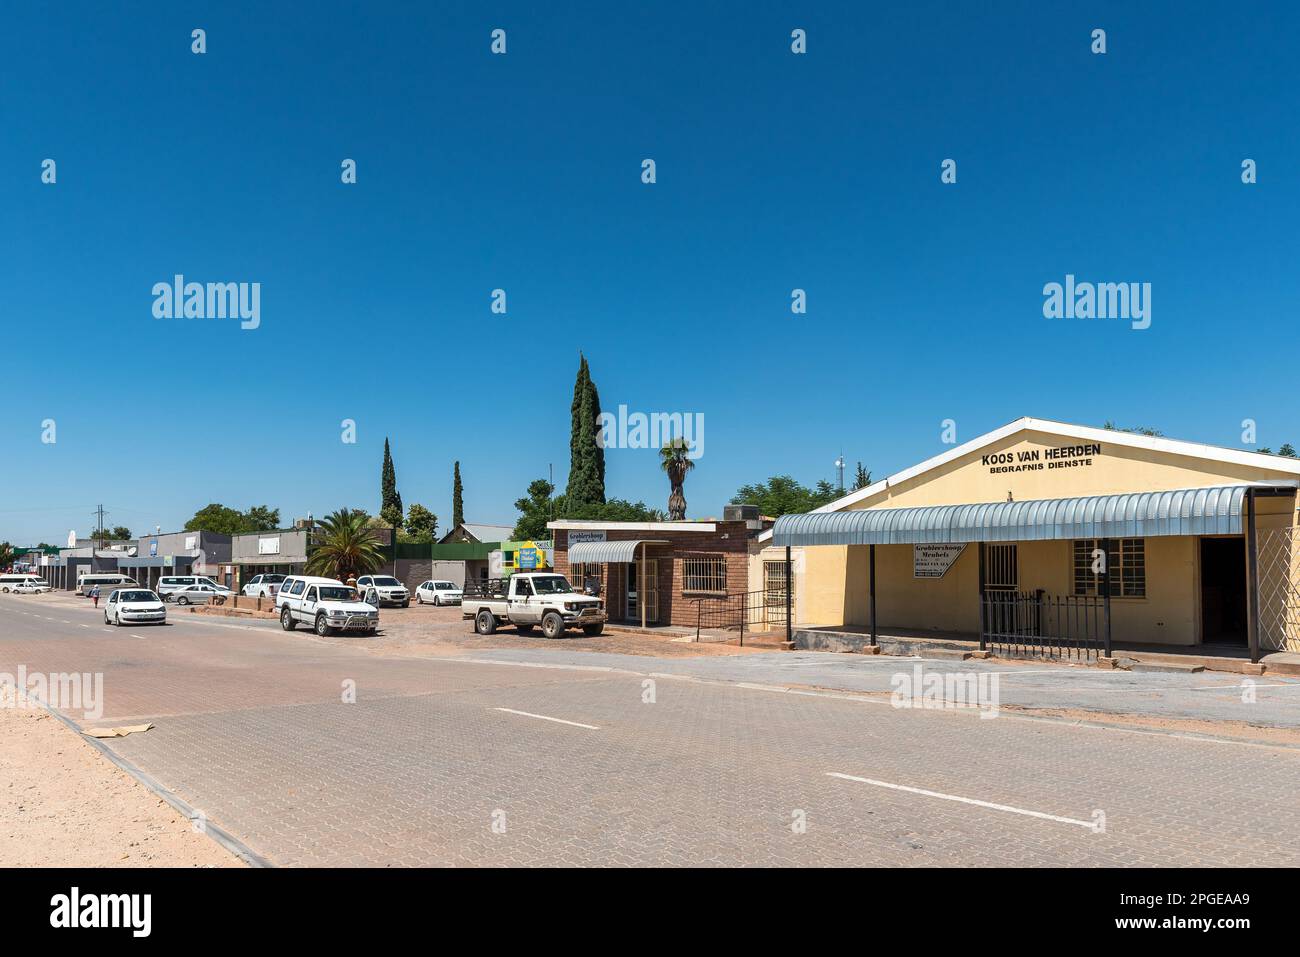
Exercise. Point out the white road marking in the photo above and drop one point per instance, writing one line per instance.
(529, 714)
(963, 800)
(141, 637)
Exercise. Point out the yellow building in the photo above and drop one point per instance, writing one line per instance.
(1053, 537)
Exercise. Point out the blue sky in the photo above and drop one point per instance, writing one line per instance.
(522, 172)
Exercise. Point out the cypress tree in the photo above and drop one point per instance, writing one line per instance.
(390, 508)
(457, 499)
(586, 458)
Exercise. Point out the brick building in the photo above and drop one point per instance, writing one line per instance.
(656, 573)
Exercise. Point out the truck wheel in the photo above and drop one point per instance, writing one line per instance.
(591, 631)
(323, 626)
(485, 623)
(552, 625)
(524, 629)
(286, 619)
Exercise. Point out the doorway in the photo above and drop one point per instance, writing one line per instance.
(1223, 591)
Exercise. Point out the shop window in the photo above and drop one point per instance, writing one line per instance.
(705, 573)
(1128, 568)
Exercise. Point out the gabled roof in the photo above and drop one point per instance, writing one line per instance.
(1213, 453)
(479, 533)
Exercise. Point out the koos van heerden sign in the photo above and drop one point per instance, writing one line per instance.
(1036, 460)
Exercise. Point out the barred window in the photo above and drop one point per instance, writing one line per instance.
(774, 582)
(579, 572)
(707, 573)
(1001, 568)
(1128, 567)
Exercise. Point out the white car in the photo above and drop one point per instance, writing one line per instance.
(326, 605)
(263, 586)
(134, 606)
(199, 594)
(169, 585)
(29, 588)
(438, 593)
(390, 590)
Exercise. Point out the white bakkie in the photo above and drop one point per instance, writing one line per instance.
(529, 599)
(326, 605)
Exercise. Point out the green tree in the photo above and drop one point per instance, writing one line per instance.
(1135, 430)
(223, 520)
(261, 518)
(119, 533)
(457, 498)
(6, 556)
(218, 519)
(421, 524)
(534, 510)
(1287, 450)
(676, 462)
(586, 455)
(390, 509)
(782, 495)
(862, 478)
(345, 547)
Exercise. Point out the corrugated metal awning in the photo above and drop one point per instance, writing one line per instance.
(609, 551)
(1190, 511)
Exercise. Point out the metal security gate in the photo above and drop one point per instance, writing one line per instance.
(1279, 589)
(1037, 625)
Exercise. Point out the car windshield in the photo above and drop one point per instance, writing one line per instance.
(387, 582)
(446, 586)
(137, 596)
(336, 593)
(552, 585)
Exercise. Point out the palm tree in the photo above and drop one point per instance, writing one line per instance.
(674, 460)
(346, 546)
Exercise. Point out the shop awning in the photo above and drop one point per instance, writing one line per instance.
(1189, 511)
(609, 551)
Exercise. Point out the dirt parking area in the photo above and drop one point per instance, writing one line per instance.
(428, 631)
(63, 805)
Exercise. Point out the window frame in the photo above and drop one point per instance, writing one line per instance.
(1128, 568)
(701, 578)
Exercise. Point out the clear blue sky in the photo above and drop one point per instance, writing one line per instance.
(522, 171)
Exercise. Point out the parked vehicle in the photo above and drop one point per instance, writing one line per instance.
(527, 600)
(391, 591)
(134, 606)
(168, 585)
(199, 594)
(20, 583)
(263, 586)
(326, 605)
(86, 582)
(33, 587)
(438, 593)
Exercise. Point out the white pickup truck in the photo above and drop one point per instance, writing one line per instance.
(326, 605)
(530, 599)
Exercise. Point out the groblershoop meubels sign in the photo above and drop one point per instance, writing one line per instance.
(1036, 460)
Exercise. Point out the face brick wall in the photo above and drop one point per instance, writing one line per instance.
(729, 541)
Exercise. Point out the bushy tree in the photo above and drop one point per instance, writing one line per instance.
(782, 495)
(421, 524)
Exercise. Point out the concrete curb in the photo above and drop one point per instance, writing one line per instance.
(219, 834)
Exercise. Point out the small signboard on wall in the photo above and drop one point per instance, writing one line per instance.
(268, 546)
(934, 560)
(586, 535)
